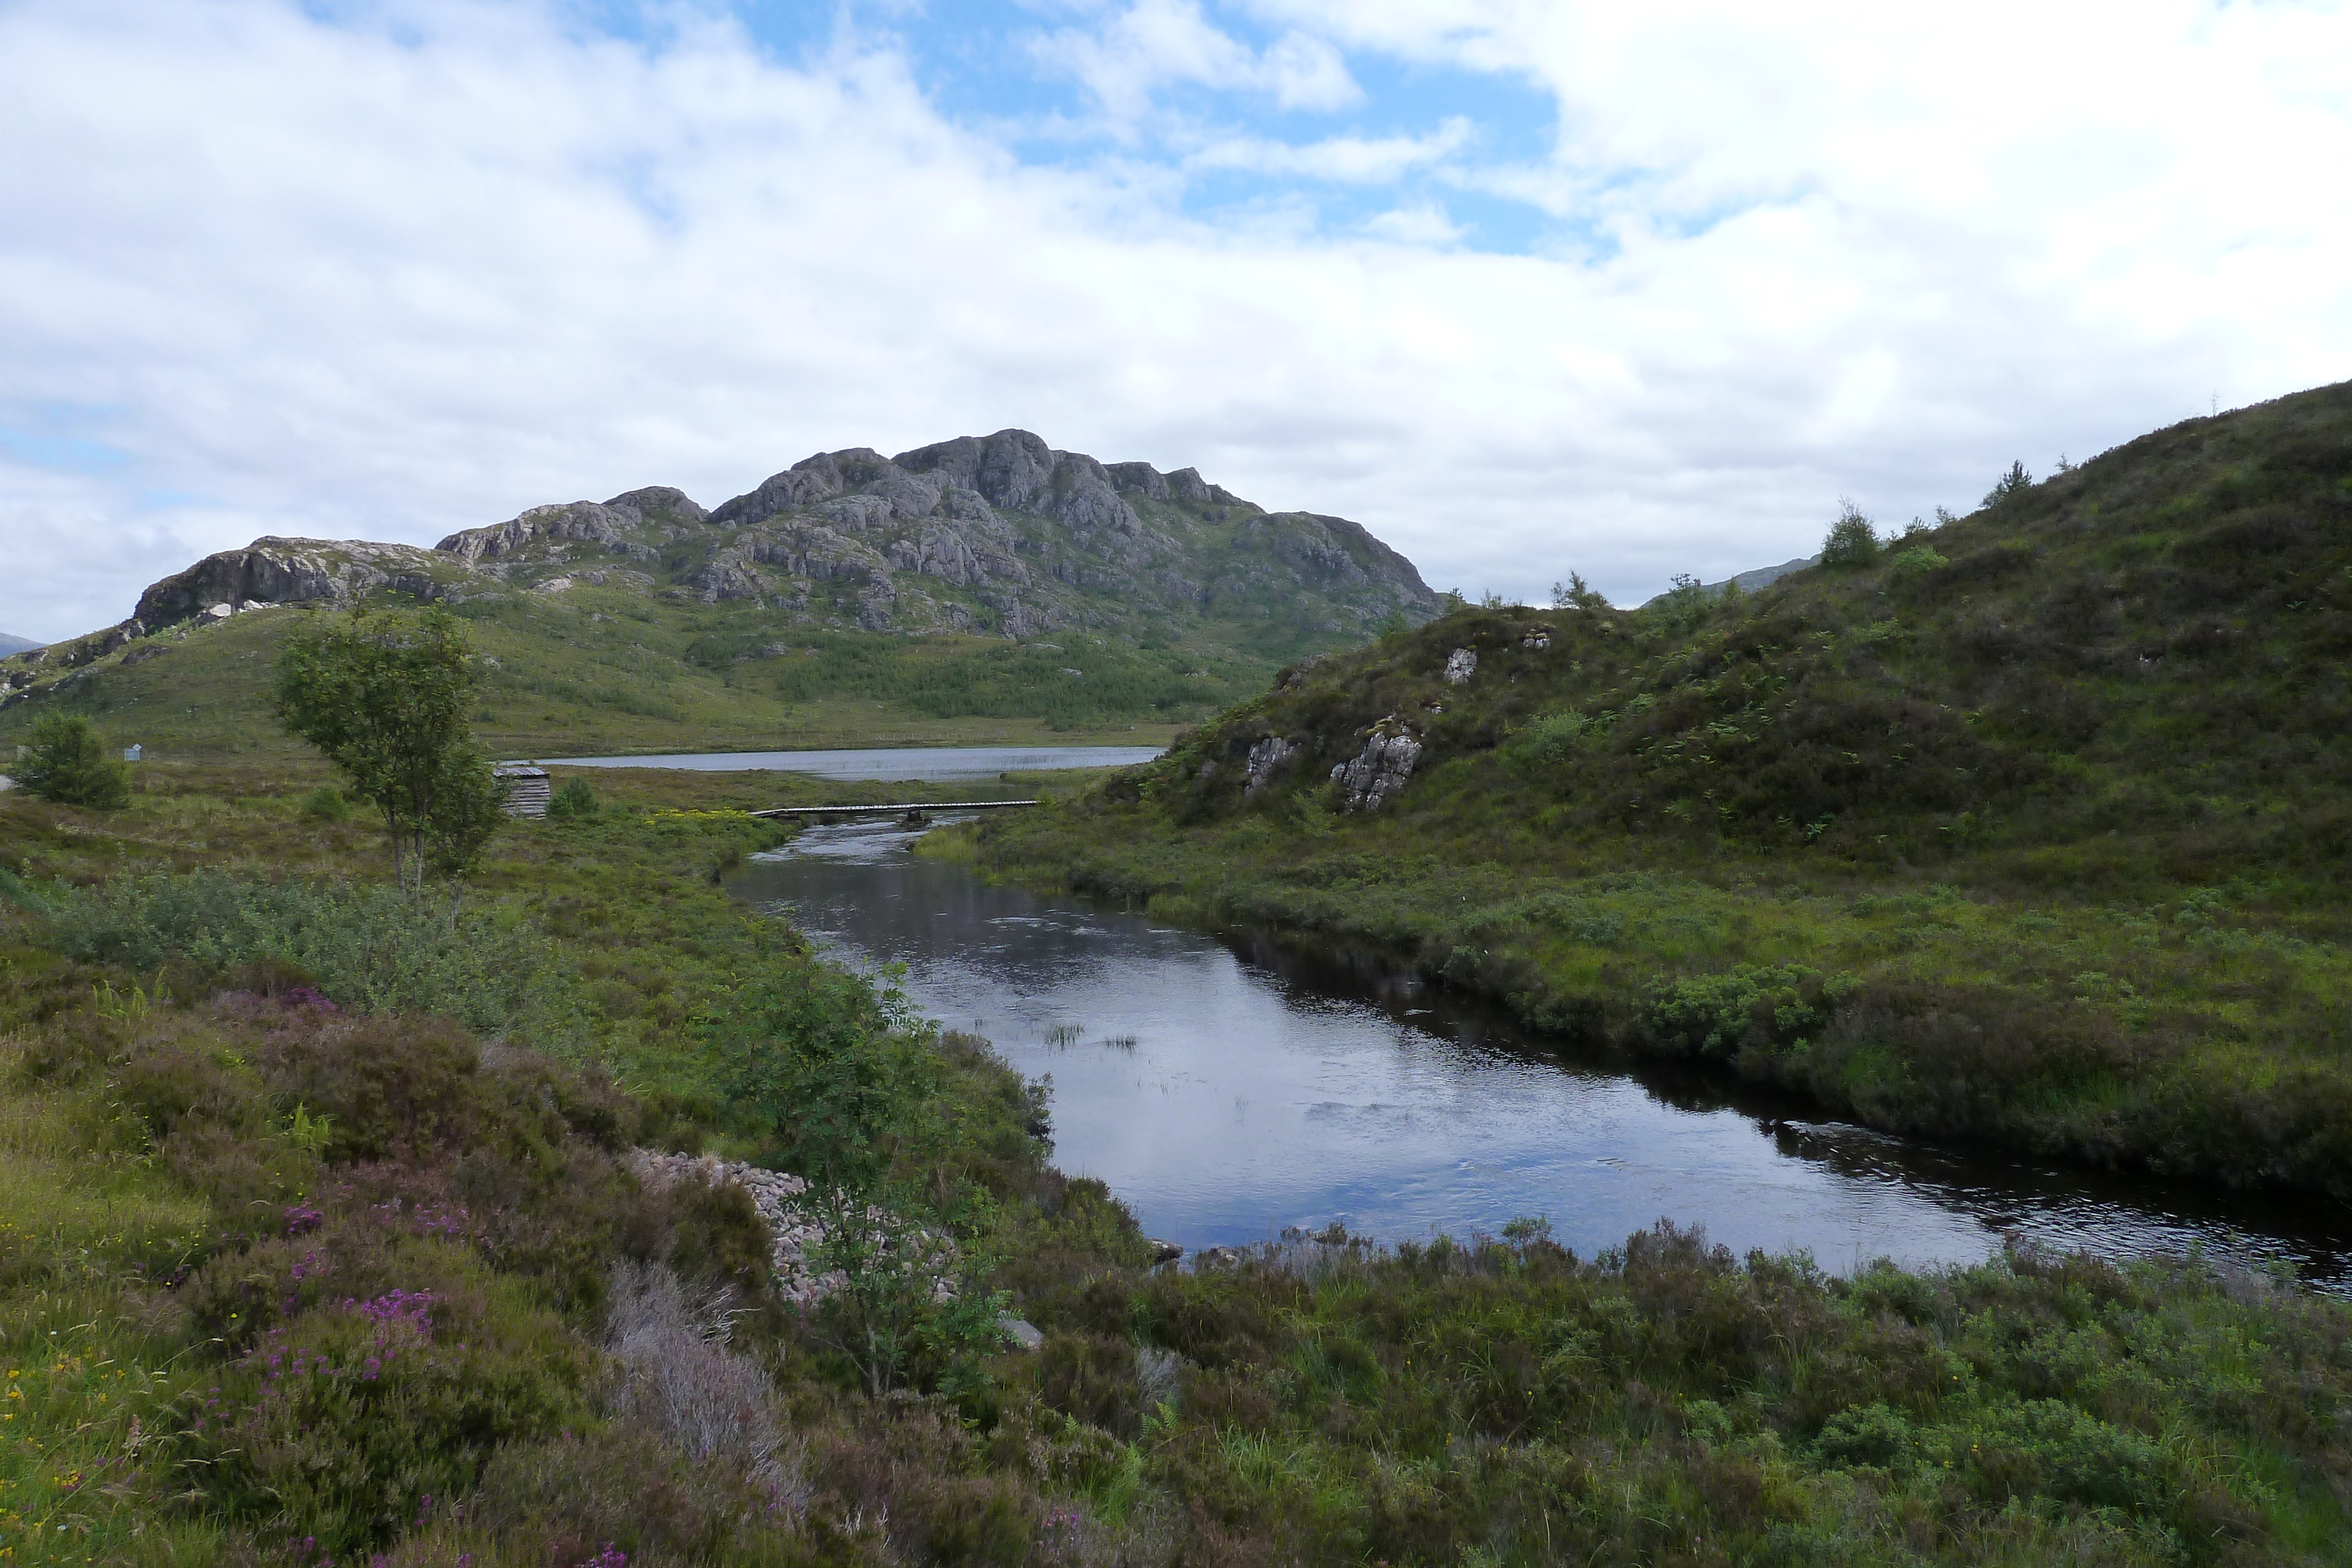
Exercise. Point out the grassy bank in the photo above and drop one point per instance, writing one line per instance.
(2201, 1033)
(323, 1243)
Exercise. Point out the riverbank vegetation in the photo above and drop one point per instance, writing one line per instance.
(324, 1242)
(2028, 826)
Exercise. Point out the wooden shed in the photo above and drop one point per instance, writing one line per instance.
(527, 789)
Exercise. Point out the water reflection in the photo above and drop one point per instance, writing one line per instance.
(1228, 1091)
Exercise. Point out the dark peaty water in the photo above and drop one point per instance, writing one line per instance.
(1228, 1091)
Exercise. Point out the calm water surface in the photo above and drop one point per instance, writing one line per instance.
(1226, 1090)
(892, 764)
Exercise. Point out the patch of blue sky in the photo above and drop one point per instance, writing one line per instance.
(58, 436)
(978, 63)
(1515, 120)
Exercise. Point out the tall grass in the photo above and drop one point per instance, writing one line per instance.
(372, 948)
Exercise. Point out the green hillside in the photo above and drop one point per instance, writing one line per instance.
(602, 672)
(983, 589)
(2033, 825)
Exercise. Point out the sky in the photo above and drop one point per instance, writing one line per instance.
(1526, 288)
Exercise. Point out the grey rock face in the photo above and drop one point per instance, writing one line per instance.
(1376, 775)
(1267, 759)
(583, 520)
(1460, 665)
(290, 571)
(1010, 468)
(1138, 479)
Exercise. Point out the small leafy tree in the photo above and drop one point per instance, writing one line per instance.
(1576, 594)
(843, 1085)
(66, 761)
(1851, 543)
(2010, 486)
(576, 798)
(385, 696)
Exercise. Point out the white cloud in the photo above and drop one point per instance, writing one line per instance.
(1353, 160)
(1153, 43)
(1422, 224)
(410, 274)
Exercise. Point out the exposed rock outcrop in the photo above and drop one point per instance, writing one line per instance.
(609, 525)
(1375, 776)
(292, 571)
(1268, 759)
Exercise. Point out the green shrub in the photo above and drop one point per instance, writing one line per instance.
(1851, 543)
(812, 1057)
(1916, 562)
(1716, 1015)
(64, 760)
(575, 798)
(1548, 738)
(326, 804)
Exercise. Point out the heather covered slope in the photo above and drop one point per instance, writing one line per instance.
(2033, 826)
(980, 588)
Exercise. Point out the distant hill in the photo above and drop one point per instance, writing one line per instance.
(946, 592)
(1749, 581)
(12, 644)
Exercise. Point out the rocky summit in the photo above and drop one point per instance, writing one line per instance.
(997, 534)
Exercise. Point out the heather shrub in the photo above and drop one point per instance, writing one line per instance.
(354, 1419)
(384, 1085)
(1094, 1378)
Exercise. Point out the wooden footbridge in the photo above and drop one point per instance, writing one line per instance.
(910, 810)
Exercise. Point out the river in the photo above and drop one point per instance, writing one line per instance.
(1228, 1090)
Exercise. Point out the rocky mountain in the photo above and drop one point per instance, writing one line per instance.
(906, 581)
(996, 534)
(14, 644)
